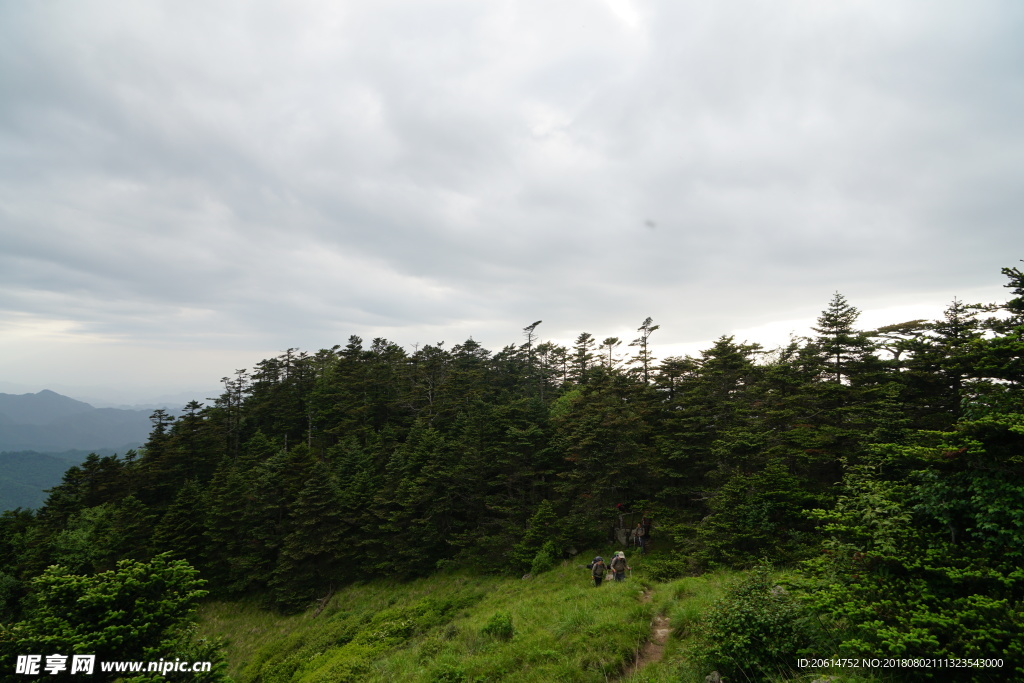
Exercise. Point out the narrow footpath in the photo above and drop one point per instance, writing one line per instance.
(653, 648)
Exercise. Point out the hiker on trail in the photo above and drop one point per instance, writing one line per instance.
(619, 565)
(597, 569)
(640, 536)
(620, 534)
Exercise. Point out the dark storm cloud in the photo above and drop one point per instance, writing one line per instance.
(214, 172)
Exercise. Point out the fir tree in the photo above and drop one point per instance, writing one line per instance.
(842, 346)
(312, 558)
(182, 530)
(582, 357)
(644, 358)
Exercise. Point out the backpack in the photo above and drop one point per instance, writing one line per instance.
(598, 569)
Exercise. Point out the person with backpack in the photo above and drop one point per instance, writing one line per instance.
(640, 534)
(597, 569)
(619, 566)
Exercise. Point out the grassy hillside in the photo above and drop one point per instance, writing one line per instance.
(460, 627)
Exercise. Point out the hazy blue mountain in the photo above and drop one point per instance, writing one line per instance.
(41, 408)
(48, 422)
(25, 476)
(43, 434)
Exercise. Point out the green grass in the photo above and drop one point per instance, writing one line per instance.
(684, 601)
(462, 628)
(555, 626)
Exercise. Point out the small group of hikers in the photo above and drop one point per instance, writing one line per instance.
(640, 535)
(618, 566)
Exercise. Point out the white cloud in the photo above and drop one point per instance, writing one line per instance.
(244, 175)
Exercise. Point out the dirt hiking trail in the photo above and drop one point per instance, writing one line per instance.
(653, 648)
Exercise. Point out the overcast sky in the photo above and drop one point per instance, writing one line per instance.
(189, 187)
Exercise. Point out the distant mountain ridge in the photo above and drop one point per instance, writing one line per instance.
(49, 422)
(43, 434)
(40, 408)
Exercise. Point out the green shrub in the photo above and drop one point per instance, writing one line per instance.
(140, 611)
(499, 626)
(927, 563)
(667, 567)
(448, 672)
(544, 560)
(758, 629)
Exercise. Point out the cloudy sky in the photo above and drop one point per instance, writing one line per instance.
(189, 187)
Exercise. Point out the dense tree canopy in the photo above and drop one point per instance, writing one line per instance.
(878, 453)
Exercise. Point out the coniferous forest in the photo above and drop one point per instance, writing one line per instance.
(886, 467)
